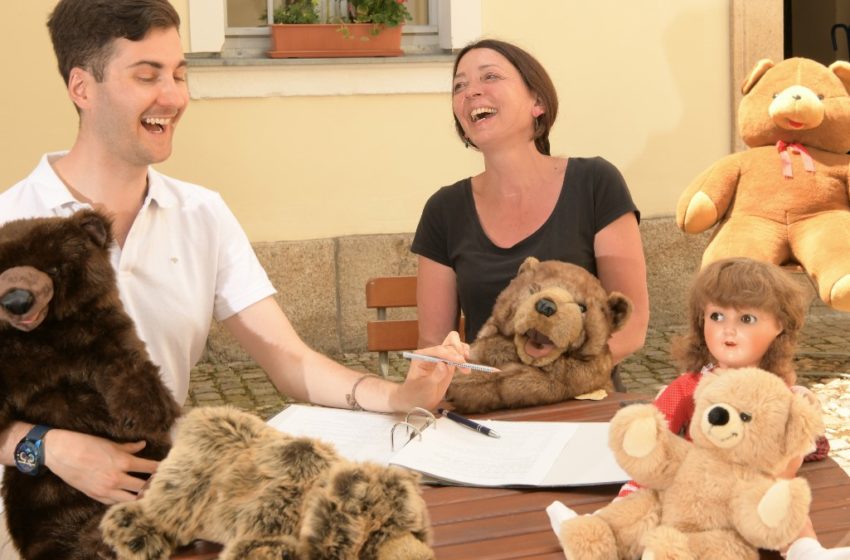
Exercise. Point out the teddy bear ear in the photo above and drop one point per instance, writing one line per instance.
(488, 329)
(621, 309)
(97, 226)
(804, 424)
(530, 263)
(841, 68)
(706, 379)
(761, 67)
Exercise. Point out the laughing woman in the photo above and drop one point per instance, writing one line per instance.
(473, 235)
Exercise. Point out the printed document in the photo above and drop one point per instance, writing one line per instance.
(526, 454)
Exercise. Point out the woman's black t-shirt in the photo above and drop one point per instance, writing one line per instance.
(593, 195)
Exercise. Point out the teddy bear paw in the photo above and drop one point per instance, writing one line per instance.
(641, 437)
(133, 536)
(588, 537)
(666, 543)
(146, 419)
(700, 215)
(405, 547)
(270, 548)
(774, 505)
(839, 295)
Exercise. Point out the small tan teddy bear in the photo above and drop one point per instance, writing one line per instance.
(715, 497)
(230, 478)
(786, 198)
(548, 335)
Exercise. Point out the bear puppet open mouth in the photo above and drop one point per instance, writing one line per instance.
(547, 324)
(537, 344)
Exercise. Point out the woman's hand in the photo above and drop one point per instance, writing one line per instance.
(426, 382)
(95, 466)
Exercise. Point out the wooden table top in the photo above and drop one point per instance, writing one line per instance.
(505, 524)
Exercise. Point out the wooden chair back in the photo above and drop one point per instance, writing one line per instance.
(385, 335)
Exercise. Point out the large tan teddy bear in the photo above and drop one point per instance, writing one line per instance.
(786, 198)
(548, 335)
(230, 478)
(716, 497)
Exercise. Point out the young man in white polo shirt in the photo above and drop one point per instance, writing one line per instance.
(181, 257)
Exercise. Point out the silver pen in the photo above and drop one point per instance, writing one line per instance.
(426, 358)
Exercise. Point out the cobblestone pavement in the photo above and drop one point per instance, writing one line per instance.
(823, 365)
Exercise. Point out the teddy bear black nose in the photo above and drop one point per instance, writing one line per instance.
(718, 416)
(17, 301)
(546, 307)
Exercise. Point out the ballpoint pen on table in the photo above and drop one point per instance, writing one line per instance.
(425, 358)
(455, 417)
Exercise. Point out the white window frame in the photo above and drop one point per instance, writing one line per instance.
(432, 27)
(459, 22)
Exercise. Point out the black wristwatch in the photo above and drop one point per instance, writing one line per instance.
(29, 453)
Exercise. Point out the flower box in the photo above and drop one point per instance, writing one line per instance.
(317, 40)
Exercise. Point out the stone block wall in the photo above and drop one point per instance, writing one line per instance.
(321, 283)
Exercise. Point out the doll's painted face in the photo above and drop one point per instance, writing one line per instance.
(739, 338)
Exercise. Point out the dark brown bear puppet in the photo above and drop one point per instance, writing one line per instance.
(69, 358)
(548, 335)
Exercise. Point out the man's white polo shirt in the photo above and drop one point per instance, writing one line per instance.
(185, 261)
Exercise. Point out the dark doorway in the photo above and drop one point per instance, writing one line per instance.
(818, 29)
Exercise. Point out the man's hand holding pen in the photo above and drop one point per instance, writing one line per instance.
(426, 381)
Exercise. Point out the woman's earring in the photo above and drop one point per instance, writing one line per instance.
(466, 142)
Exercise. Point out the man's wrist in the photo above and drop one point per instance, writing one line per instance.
(397, 398)
(30, 451)
(9, 439)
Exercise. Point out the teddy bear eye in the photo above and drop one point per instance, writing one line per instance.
(775, 95)
(582, 307)
(820, 96)
(746, 417)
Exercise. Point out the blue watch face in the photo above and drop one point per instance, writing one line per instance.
(26, 457)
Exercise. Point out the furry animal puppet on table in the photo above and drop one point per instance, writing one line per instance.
(548, 335)
(715, 497)
(232, 479)
(69, 358)
(786, 198)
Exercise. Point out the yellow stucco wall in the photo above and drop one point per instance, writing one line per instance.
(645, 84)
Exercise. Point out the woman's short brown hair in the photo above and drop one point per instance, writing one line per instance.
(535, 78)
(83, 31)
(744, 283)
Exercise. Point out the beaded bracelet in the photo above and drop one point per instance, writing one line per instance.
(350, 398)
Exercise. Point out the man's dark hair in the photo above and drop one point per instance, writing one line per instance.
(83, 31)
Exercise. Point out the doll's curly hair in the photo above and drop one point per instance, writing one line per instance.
(744, 283)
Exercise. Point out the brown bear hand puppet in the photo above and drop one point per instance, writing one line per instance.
(70, 358)
(264, 494)
(548, 335)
